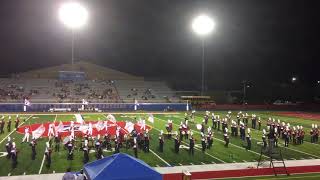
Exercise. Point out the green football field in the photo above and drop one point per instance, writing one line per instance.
(236, 151)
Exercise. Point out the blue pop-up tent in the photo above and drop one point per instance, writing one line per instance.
(120, 166)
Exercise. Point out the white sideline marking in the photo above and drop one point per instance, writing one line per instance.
(203, 163)
(160, 157)
(191, 163)
(157, 165)
(221, 140)
(244, 161)
(213, 162)
(15, 130)
(44, 156)
(180, 164)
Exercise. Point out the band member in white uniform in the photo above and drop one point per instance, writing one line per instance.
(51, 130)
(26, 135)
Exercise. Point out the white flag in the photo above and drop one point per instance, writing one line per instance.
(83, 128)
(111, 118)
(85, 102)
(129, 126)
(38, 132)
(59, 128)
(27, 102)
(99, 125)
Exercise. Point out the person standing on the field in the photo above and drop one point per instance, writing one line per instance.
(209, 138)
(161, 141)
(17, 123)
(33, 145)
(2, 123)
(259, 124)
(214, 121)
(57, 140)
(191, 144)
(14, 155)
(203, 142)
(176, 143)
(226, 137)
(264, 139)
(85, 149)
(9, 124)
(146, 141)
(218, 122)
(47, 154)
(135, 148)
(254, 121)
(8, 147)
(242, 131)
(286, 137)
(248, 138)
(70, 150)
(26, 135)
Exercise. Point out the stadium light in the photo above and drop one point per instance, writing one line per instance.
(293, 79)
(318, 82)
(74, 16)
(203, 25)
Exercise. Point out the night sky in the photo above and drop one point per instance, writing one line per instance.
(262, 41)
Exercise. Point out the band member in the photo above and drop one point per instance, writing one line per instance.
(312, 134)
(51, 131)
(242, 131)
(70, 150)
(264, 138)
(116, 146)
(169, 128)
(57, 140)
(176, 143)
(85, 149)
(135, 148)
(17, 123)
(248, 138)
(143, 124)
(286, 137)
(203, 142)
(209, 138)
(146, 141)
(14, 155)
(254, 121)
(26, 135)
(206, 118)
(8, 147)
(161, 141)
(33, 145)
(47, 154)
(9, 124)
(226, 137)
(191, 144)
(99, 148)
(214, 121)
(218, 122)
(259, 124)
(2, 123)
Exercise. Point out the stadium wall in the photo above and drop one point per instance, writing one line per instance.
(45, 107)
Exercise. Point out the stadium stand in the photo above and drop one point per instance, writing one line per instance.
(100, 85)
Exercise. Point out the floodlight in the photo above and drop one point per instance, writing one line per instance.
(294, 79)
(203, 25)
(73, 15)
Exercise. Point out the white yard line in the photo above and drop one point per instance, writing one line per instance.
(160, 157)
(15, 130)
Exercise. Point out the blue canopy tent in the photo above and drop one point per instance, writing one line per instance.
(120, 166)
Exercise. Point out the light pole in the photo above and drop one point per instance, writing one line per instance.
(73, 15)
(203, 25)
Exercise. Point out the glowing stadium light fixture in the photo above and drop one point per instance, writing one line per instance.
(73, 15)
(318, 82)
(293, 79)
(203, 25)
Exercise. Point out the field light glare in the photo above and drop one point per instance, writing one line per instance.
(203, 25)
(73, 15)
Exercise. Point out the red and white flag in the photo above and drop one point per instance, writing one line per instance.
(38, 132)
(59, 128)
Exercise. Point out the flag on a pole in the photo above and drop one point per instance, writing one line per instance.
(85, 102)
(129, 126)
(59, 128)
(27, 102)
(111, 118)
(99, 125)
(83, 128)
(38, 132)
